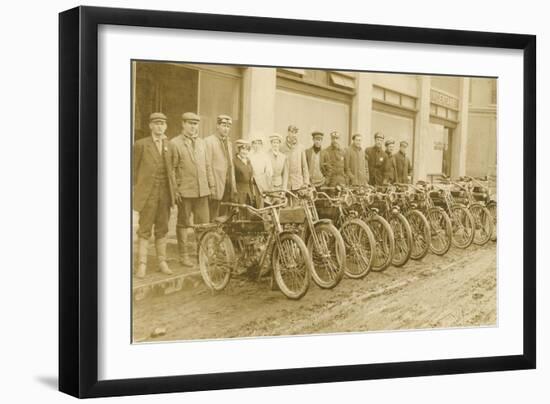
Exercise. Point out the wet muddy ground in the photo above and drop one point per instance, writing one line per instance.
(455, 290)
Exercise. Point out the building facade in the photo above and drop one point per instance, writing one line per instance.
(449, 122)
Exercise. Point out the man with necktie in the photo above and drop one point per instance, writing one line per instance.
(195, 183)
(154, 159)
(219, 153)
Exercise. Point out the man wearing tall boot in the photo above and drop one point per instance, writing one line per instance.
(154, 191)
(195, 183)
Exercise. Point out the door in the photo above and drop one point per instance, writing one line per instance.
(447, 152)
(163, 87)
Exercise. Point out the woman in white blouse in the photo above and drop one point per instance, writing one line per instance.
(261, 165)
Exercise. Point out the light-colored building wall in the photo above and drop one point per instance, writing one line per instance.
(448, 84)
(400, 106)
(449, 122)
(401, 83)
(482, 128)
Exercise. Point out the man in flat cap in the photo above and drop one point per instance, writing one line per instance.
(154, 190)
(195, 184)
(403, 164)
(334, 165)
(390, 167)
(356, 162)
(315, 158)
(376, 158)
(219, 152)
(279, 164)
(298, 173)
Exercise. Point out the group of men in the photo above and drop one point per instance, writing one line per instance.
(199, 174)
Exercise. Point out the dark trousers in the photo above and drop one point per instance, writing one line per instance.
(198, 207)
(156, 212)
(215, 204)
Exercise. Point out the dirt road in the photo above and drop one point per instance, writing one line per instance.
(456, 290)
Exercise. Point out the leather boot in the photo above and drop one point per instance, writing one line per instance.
(183, 247)
(160, 245)
(142, 257)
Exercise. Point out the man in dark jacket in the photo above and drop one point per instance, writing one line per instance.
(154, 190)
(376, 158)
(403, 164)
(334, 167)
(356, 162)
(390, 169)
(315, 158)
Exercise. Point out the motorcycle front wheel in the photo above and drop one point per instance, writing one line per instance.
(328, 253)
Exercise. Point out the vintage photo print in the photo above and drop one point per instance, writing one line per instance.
(281, 201)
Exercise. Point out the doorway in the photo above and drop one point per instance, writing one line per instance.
(167, 88)
(446, 163)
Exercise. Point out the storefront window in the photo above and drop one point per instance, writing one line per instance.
(219, 94)
(394, 127)
(311, 113)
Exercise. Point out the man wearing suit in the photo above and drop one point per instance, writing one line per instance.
(154, 190)
(298, 173)
(315, 158)
(403, 164)
(376, 158)
(219, 152)
(334, 167)
(195, 183)
(390, 167)
(356, 162)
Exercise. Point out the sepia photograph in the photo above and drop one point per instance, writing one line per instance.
(282, 201)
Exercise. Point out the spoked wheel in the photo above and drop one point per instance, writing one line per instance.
(441, 230)
(421, 234)
(216, 259)
(483, 221)
(492, 206)
(360, 248)
(403, 239)
(328, 255)
(292, 265)
(385, 242)
(463, 226)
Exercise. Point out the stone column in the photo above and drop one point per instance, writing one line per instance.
(422, 141)
(460, 134)
(259, 85)
(361, 109)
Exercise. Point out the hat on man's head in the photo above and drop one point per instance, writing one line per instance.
(157, 116)
(334, 134)
(276, 137)
(389, 141)
(379, 135)
(292, 129)
(317, 134)
(242, 143)
(224, 119)
(190, 116)
(404, 143)
(257, 139)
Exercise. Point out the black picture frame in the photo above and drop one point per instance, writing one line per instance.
(78, 201)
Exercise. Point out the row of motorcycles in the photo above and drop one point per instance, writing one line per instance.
(327, 233)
